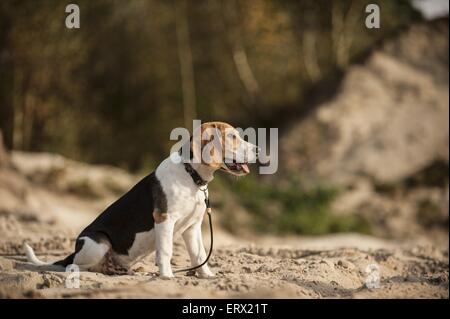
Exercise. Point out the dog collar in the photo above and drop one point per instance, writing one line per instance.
(195, 176)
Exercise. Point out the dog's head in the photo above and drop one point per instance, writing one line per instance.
(219, 146)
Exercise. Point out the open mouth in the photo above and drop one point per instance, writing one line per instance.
(236, 168)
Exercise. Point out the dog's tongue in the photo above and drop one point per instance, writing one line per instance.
(245, 168)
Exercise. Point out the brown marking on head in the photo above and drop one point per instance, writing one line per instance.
(211, 133)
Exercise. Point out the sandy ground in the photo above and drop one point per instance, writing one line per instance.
(338, 266)
(48, 216)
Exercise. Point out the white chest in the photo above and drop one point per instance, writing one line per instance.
(183, 197)
(185, 207)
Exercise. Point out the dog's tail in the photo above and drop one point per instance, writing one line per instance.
(32, 257)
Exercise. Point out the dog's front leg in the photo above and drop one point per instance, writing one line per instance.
(194, 244)
(164, 247)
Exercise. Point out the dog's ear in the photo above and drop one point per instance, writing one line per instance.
(212, 146)
(206, 145)
(196, 146)
(192, 149)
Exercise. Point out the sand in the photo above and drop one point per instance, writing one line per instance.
(300, 268)
(49, 215)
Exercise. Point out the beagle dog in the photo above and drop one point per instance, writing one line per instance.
(166, 203)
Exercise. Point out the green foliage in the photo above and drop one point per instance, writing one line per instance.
(429, 214)
(294, 208)
(434, 174)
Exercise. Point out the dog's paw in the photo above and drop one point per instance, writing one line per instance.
(206, 275)
(166, 276)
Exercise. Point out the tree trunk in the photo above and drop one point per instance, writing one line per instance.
(343, 26)
(240, 57)
(186, 64)
(6, 80)
(2, 152)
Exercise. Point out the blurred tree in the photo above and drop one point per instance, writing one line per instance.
(111, 91)
(6, 76)
(186, 65)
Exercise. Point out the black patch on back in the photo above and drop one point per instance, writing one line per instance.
(129, 215)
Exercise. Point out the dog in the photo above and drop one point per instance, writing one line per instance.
(168, 202)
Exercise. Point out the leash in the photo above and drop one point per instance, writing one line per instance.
(208, 211)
